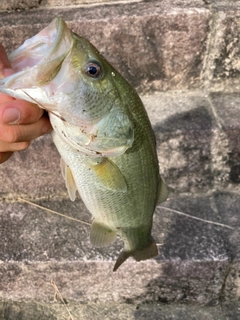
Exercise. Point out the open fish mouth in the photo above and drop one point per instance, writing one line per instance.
(43, 54)
(51, 44)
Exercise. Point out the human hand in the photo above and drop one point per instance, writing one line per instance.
(20, 121)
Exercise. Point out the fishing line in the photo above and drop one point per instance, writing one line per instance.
(196, 218)
(52, 211)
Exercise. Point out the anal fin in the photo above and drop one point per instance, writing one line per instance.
(101, 235)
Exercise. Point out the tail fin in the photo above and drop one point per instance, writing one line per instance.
(139, 254)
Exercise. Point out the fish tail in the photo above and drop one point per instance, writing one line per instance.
(139, 254)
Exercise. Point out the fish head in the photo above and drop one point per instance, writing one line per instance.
(67, 76)
(92, 102)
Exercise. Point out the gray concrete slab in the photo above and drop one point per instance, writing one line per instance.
(154, 311)
(228, 112)
(186, 131)
(222, 60)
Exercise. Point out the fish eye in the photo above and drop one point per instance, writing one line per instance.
(93, 70)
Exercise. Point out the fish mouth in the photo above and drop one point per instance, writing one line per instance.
(40, 48)
(41, 56)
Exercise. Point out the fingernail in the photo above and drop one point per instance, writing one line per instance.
(11, 115)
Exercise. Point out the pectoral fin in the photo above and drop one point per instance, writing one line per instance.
(101, 235)
(69, 180)
(108, 175)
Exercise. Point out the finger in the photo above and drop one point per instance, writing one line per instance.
(20, 112)
(5, 98)
(4, 156)
(27, 132)
(6, 147)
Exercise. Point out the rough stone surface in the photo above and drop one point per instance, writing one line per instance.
(228, 113)
(223, 64)
(42, 236)
(185, 129)
(18, 5)
(34, 172)
(29, 4)
(65, 3)
(222, 3)
(86, 282)
(57, 311)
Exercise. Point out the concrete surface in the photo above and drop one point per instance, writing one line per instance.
(30, 4)
(114, 311)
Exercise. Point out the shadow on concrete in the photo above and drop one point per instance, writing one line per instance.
(188, 135)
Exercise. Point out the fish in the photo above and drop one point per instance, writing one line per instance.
(101, 130)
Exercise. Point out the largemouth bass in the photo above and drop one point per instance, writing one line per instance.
(101, 130)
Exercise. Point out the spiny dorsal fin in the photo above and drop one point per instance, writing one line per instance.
(69, 180)
(108, 175)
(101, 235)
